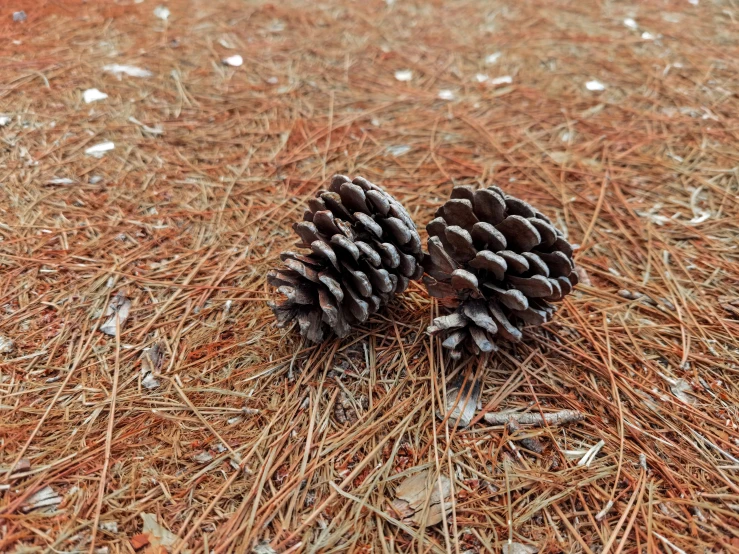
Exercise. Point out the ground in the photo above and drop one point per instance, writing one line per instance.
(195, 425)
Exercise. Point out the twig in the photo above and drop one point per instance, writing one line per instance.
(556, 418)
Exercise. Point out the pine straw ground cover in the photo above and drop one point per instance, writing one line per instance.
(243, 436)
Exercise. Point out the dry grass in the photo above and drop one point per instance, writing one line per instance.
(251, 435)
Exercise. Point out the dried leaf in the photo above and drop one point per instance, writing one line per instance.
(203, 457)
(418, 498)
(682, 390)
(139, 541)
(118, 308)
(461, 403)
(157, 534)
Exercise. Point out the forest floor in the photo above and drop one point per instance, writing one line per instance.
(194, 425)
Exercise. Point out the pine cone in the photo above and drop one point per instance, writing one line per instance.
(364, 249)
(499, 262)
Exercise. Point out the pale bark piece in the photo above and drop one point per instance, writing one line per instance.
(489, 206)
(477, 312)
(519, 233)
(352, 196)
(516, 262)
(536, 264)
(537, 286)
(463, 279)
(459, 212)
(518, 548)
(506, 329)
(463, 192)
(488, 237)
(461, 243)
(559, 264)
(492, 263)
(535, 418)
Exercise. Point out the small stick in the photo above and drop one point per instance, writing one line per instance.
(556, 418)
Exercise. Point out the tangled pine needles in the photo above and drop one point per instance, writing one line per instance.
(228, 437)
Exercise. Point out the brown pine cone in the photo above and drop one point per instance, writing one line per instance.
(496, 263)
(364, 249)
